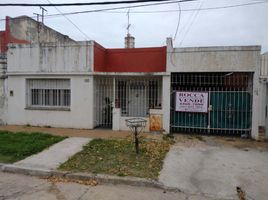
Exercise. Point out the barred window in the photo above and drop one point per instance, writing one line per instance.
(53, 93)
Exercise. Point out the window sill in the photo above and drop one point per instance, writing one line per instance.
(48, 108)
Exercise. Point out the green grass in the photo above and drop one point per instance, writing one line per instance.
(118, 157)
(19, 145)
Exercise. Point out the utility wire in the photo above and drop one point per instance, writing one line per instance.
(187, 31)
(85, 35)
(154, 4)
(189, 19)
(84, 4)
(107, 10)
(187, 10)
(178, 25)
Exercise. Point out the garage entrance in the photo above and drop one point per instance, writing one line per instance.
(226, 100)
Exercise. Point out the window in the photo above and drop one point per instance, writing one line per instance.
(48, 93)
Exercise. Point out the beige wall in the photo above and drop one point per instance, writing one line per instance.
(3, 89)
(50, 58)
(213, 59)
(25, 28)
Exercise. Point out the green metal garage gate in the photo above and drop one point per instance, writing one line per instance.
(211, 102)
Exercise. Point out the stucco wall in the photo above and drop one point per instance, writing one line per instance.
(26, 28)
(264, 65)
(264, 92)
(50, 57)
(3, 101)
(129, 59)
(213, 59)
(3, 89)
(79, 116)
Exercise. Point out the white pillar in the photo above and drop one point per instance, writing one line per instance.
(92, 103)
(166, 102)
(256, 100)
(116, 119)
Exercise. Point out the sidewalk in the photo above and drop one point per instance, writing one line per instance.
(52, 157)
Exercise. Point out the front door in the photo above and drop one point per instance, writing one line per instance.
(136, 104)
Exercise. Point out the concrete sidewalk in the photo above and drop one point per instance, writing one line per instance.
(58, 153)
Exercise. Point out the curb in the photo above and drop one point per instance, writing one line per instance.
(100, 178)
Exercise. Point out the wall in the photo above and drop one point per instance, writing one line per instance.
(3, 101)
(3, 89)
(99, 57)
(213, 59)
(264, 65)
(79, 116)
(166, 103)
(263, 92)
(129, 60)
(23, 30)
(26, 28)
(50, 57)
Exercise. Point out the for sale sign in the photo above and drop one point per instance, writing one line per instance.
(192, 102)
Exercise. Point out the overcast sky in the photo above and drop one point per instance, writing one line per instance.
(245, 25)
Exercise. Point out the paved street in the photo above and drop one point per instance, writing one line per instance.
(20, 187)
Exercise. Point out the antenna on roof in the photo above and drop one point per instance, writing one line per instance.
(129, 40)
(128, 24)
(42, 15)
(43, 12)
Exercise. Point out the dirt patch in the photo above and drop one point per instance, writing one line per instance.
(190, 141)
(240, 143)
(93, 133)
(220, 141)
(181, 139)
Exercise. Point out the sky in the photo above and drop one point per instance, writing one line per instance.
(244, 25)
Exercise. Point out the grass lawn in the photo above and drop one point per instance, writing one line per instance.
(118, 157)
(19, 145)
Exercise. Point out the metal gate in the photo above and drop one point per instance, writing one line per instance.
(229, 103)
(103, 102)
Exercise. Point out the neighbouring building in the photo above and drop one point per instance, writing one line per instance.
(227, 78)
(18, 31)
(264, 97)
(48, 79)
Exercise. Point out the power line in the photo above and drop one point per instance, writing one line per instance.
(84, 4)
(108, 10)
(179, 20)
(187, 10)
(187, 31)
(189, 19)
(114, 8)
(86, 36)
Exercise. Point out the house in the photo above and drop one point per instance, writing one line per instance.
(55, 81)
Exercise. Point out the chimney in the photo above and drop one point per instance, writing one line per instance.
(129, 41)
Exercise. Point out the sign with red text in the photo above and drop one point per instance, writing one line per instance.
(192, 102)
